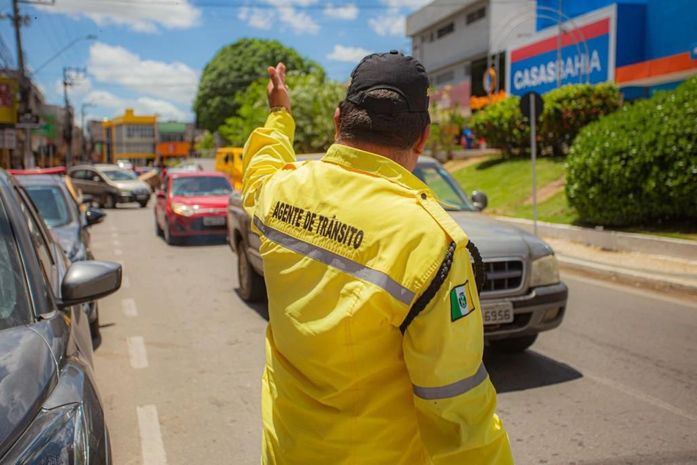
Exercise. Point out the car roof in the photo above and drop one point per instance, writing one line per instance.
(191, 174)
(40, 179)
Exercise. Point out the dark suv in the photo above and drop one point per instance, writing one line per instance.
(50, 411)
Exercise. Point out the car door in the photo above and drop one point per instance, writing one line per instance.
(161, 202)
(54, 265)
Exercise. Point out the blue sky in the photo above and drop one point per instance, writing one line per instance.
(149, 53)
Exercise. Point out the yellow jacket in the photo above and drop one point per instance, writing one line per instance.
(356, 250)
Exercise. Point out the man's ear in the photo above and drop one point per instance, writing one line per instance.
(420, 145)
(337, 118)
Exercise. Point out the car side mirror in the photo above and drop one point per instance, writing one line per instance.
(480, 200)
(89, 280)
(96, 178)
(94, 216)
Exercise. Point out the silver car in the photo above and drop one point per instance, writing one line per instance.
(110, 185)
(521, 296)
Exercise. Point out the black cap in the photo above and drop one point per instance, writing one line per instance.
(392, 71)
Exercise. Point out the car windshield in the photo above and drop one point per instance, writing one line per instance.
(442, 184)
(14, 304)
(200, 185)
(51, 203)
(119, 175)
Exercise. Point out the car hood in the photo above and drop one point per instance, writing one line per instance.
(203, 201)
(131, 184)
(27, 369)
(495, 238)
(67, 236)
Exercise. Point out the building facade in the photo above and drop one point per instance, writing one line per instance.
(174, 140)
(130, 137)
(459, 43)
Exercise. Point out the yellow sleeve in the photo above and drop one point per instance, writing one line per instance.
(454, 398)
(267, 150)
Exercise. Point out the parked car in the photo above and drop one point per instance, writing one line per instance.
(110, 185)
(192, 203)
(50, 410)
(522, 295)
(66, 221)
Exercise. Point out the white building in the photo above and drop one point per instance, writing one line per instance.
(457, 40)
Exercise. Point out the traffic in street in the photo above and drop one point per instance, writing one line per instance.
(179, 368)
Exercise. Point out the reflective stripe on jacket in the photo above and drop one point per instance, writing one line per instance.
(353, 245)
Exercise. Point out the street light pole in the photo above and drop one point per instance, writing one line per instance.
(24, 86)
(68, 128)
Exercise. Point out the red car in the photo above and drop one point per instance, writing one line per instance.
(192, 203)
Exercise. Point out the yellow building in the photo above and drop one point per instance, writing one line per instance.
(130, 137)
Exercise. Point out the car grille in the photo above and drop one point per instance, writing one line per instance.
(503, 275)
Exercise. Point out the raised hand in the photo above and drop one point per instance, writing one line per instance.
(277, 91)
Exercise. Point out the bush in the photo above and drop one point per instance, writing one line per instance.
(638, 166)
(566, 111)
(503, 126)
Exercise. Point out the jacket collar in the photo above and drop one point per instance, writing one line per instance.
(373, 164)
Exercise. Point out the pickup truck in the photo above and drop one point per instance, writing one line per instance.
(521, 297)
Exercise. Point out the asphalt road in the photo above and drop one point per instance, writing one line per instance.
(181, 360)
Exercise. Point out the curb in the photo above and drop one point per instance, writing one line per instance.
(625, 276)
(611, 240)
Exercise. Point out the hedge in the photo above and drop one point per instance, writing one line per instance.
(638, 166)
(566, 111)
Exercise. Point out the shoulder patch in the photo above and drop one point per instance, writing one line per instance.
(460, 302)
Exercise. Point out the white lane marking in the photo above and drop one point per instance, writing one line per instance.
(151, 445)
(137, 353)
(118, 252)
(125, 282)
(631, 290)
(641, 396)
(129, 307)
(116, 243)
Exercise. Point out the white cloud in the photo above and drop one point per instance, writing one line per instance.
(392, 23)
(349, 54)
(411, 4)
(256, 17)
(348, 11)
(283, 12)
(164, 110)
(116, 65)
(139, 15)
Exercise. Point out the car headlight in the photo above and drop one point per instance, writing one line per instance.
(544, 271)
(57, 436)
(183, 210)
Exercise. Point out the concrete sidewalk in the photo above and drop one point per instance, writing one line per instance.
(642, 260)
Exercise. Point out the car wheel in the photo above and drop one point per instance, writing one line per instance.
(108, 201)
(169, 239)
(158, 230)
(513, 345)
(252, 286)
(143, 204)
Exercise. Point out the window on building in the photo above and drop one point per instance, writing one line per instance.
(445, 30)
(468, 70)
(476, 15)
(444, 78)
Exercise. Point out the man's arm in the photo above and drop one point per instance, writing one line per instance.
(443, 348)
(270, 147)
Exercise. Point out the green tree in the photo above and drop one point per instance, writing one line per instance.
(314, 100)
(235, 67)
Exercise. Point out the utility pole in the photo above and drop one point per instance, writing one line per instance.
(24, 85)
(68, 80)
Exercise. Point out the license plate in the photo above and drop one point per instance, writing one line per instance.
(142, 196)
(213, 220)
(496, 313)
